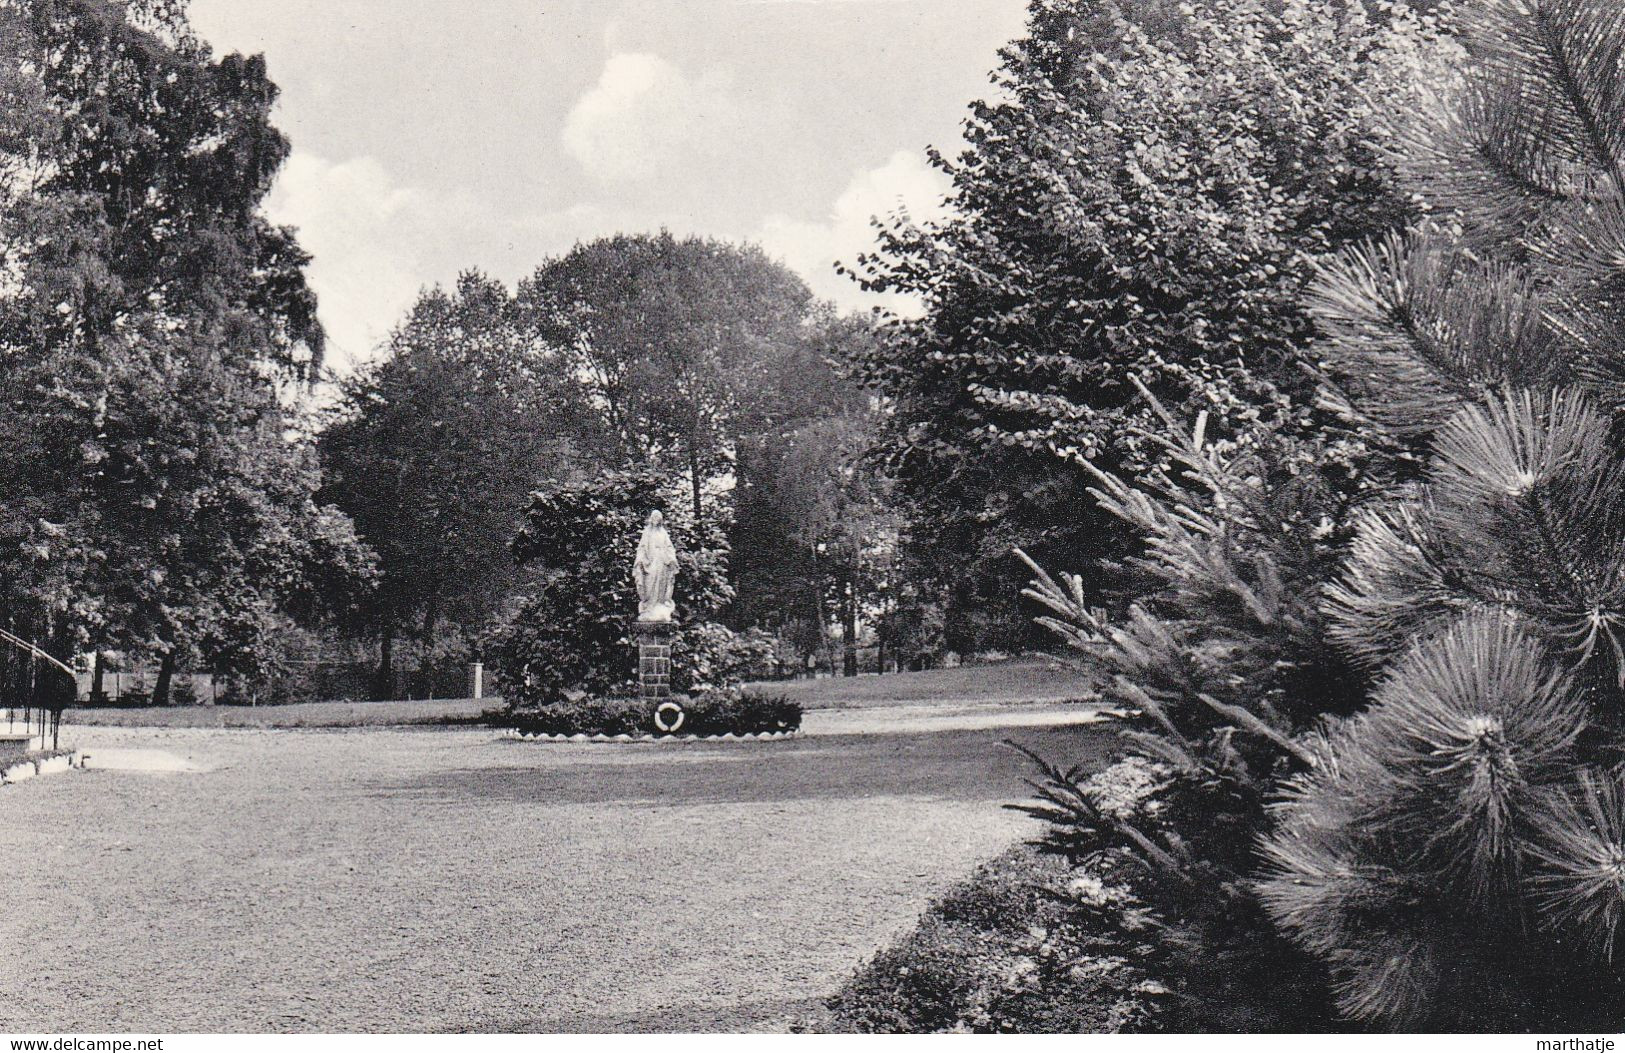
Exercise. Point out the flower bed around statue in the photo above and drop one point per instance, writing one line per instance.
(705, 716)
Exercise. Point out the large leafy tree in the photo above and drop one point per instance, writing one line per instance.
(151, 324)
(137, 164)
(710, 360)
(803, 499)
(815, 533)
(435, 449)
(681, 343)
(1143, 199)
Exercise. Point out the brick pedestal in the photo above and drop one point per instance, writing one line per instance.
(654, 658)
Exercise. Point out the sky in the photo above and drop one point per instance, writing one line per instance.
(436, 136)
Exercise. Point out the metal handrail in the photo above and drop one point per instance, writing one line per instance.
(33, 649)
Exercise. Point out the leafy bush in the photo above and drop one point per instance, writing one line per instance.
(718, 713)
(741, 712)
(1027, 944)
(572, 634)
(712, 657)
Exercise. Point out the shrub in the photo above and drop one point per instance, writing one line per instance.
(718, 713)
(712, 657)
(1027, 944)
(1182, 862)
(572, 634)
(1220, 665)
(1434, 853)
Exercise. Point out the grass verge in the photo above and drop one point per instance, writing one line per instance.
(1019, 680)
(299, 715)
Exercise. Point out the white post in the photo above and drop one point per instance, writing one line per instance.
(476, 680)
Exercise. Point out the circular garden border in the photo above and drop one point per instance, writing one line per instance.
(728, 736)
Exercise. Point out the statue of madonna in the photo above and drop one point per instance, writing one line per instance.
(655, 571)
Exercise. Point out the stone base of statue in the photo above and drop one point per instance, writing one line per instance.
(653, 640)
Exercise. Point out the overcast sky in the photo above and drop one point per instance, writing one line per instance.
(433, 136)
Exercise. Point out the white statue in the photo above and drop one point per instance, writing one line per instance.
(655, 571)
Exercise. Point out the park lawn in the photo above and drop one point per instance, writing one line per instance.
(1016, 681)
(296, 715)
(450, 880)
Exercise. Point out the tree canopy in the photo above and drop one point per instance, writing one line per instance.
(646, 353)
(153, 325)
(682, 343)
(1143, 198)
(434, 451)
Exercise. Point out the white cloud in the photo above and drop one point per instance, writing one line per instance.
(646, 116)
(350, 217)
(374, 243)
(812, 249)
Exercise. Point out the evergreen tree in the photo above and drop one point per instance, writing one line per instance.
(1218, 669)
(1456, 853)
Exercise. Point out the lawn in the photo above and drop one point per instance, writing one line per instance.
(297, 715)
(1022, 680)
(448, 879)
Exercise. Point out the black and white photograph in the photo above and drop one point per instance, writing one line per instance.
(811, 519)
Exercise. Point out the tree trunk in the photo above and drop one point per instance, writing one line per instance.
(820, 614)
(383, 687)
(98, 670)
(166, 676)
(694, 480)
(849, 629)
(431, 618)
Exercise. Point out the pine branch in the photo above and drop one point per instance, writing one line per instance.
(1580, 858)
(1248, 722)
(1415, 329)
(1549, 71)
(1582, 41)
(1077, 818)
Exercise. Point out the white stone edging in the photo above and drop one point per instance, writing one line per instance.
(515, 733)
(26, 769)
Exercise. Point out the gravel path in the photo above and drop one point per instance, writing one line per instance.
(405, 879)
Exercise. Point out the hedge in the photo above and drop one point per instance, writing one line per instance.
(715, 714)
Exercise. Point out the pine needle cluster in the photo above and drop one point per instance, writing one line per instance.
(1453, 854)
(1456, 853)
